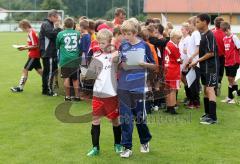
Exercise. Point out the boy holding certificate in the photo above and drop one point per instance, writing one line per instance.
(132, 87)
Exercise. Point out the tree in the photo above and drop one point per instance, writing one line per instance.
(53, 4)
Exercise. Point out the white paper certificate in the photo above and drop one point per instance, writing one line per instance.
(18, 46)
(237, 77)
(135, 57)
(191, 76)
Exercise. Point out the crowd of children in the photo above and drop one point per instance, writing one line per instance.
(138, 66)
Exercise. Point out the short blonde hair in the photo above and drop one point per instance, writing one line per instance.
(129, 26)
(186, 26)
(104, 34)
(192, 20)
(175, 33)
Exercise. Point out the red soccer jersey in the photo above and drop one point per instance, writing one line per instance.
(172, 66)
(232, 56)
(219, 35)
(33, 41)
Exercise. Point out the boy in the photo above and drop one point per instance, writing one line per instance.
(33, 53)
(85, 41)
(219, 35)
(105, 101)
(172, 69)
(67, 43)
(232, 60)
(183, 45)
(132, 88)
(193, 54)
(208, 60)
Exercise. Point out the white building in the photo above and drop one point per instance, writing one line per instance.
(3, 15)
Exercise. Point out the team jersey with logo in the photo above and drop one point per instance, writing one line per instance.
(171, 62)
(134, 79)
(208, 45)
(68, 44)
(232, 45)
(103, 69)
(33, 41)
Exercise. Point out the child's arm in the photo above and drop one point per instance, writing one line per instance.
(236, 42)
(93, 70)
(150, 63)
(115, 57)
(28, 47)
(197, 38)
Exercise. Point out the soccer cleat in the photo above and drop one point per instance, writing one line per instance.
(144, 148)
(226, 100)
(76, 99)
(232, 101)
(16, 89)
(118, 148)
(204, 117)
(126, 153)
(93, 152)
(196, 105)
(208, 121)
(66, 98)
(52, 94)
(236, 97)
(190, 105)
(155, 108)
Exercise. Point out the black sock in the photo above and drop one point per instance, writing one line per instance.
(117, 134)
(235, 88)
(176, 94)
(187, 92)
(238, 92)
(212, 110)
(171, 110)
(206, 105)
(230, 90)
(95, 132)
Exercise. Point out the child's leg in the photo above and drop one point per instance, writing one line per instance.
(206, 101)
(23, 79)
(67, 86)
(76, 88)
(231, 87)
(95, 131)
(141, 122)
(40, 71)
(233, 84)
(171, 102)
(212, 102)
(126, 119)
(117, 131)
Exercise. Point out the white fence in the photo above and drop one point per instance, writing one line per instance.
(13, 27)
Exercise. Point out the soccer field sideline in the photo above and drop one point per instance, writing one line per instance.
(30, 132)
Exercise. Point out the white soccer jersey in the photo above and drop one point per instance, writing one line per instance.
(105, 70)
(194, 43)
(183, 45)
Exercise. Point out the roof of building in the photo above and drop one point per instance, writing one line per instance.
(191, 6)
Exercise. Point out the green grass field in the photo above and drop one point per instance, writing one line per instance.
(30, 132)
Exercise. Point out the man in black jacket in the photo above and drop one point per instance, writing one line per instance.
(47, 40)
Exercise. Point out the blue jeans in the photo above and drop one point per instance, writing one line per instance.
(132, 107)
